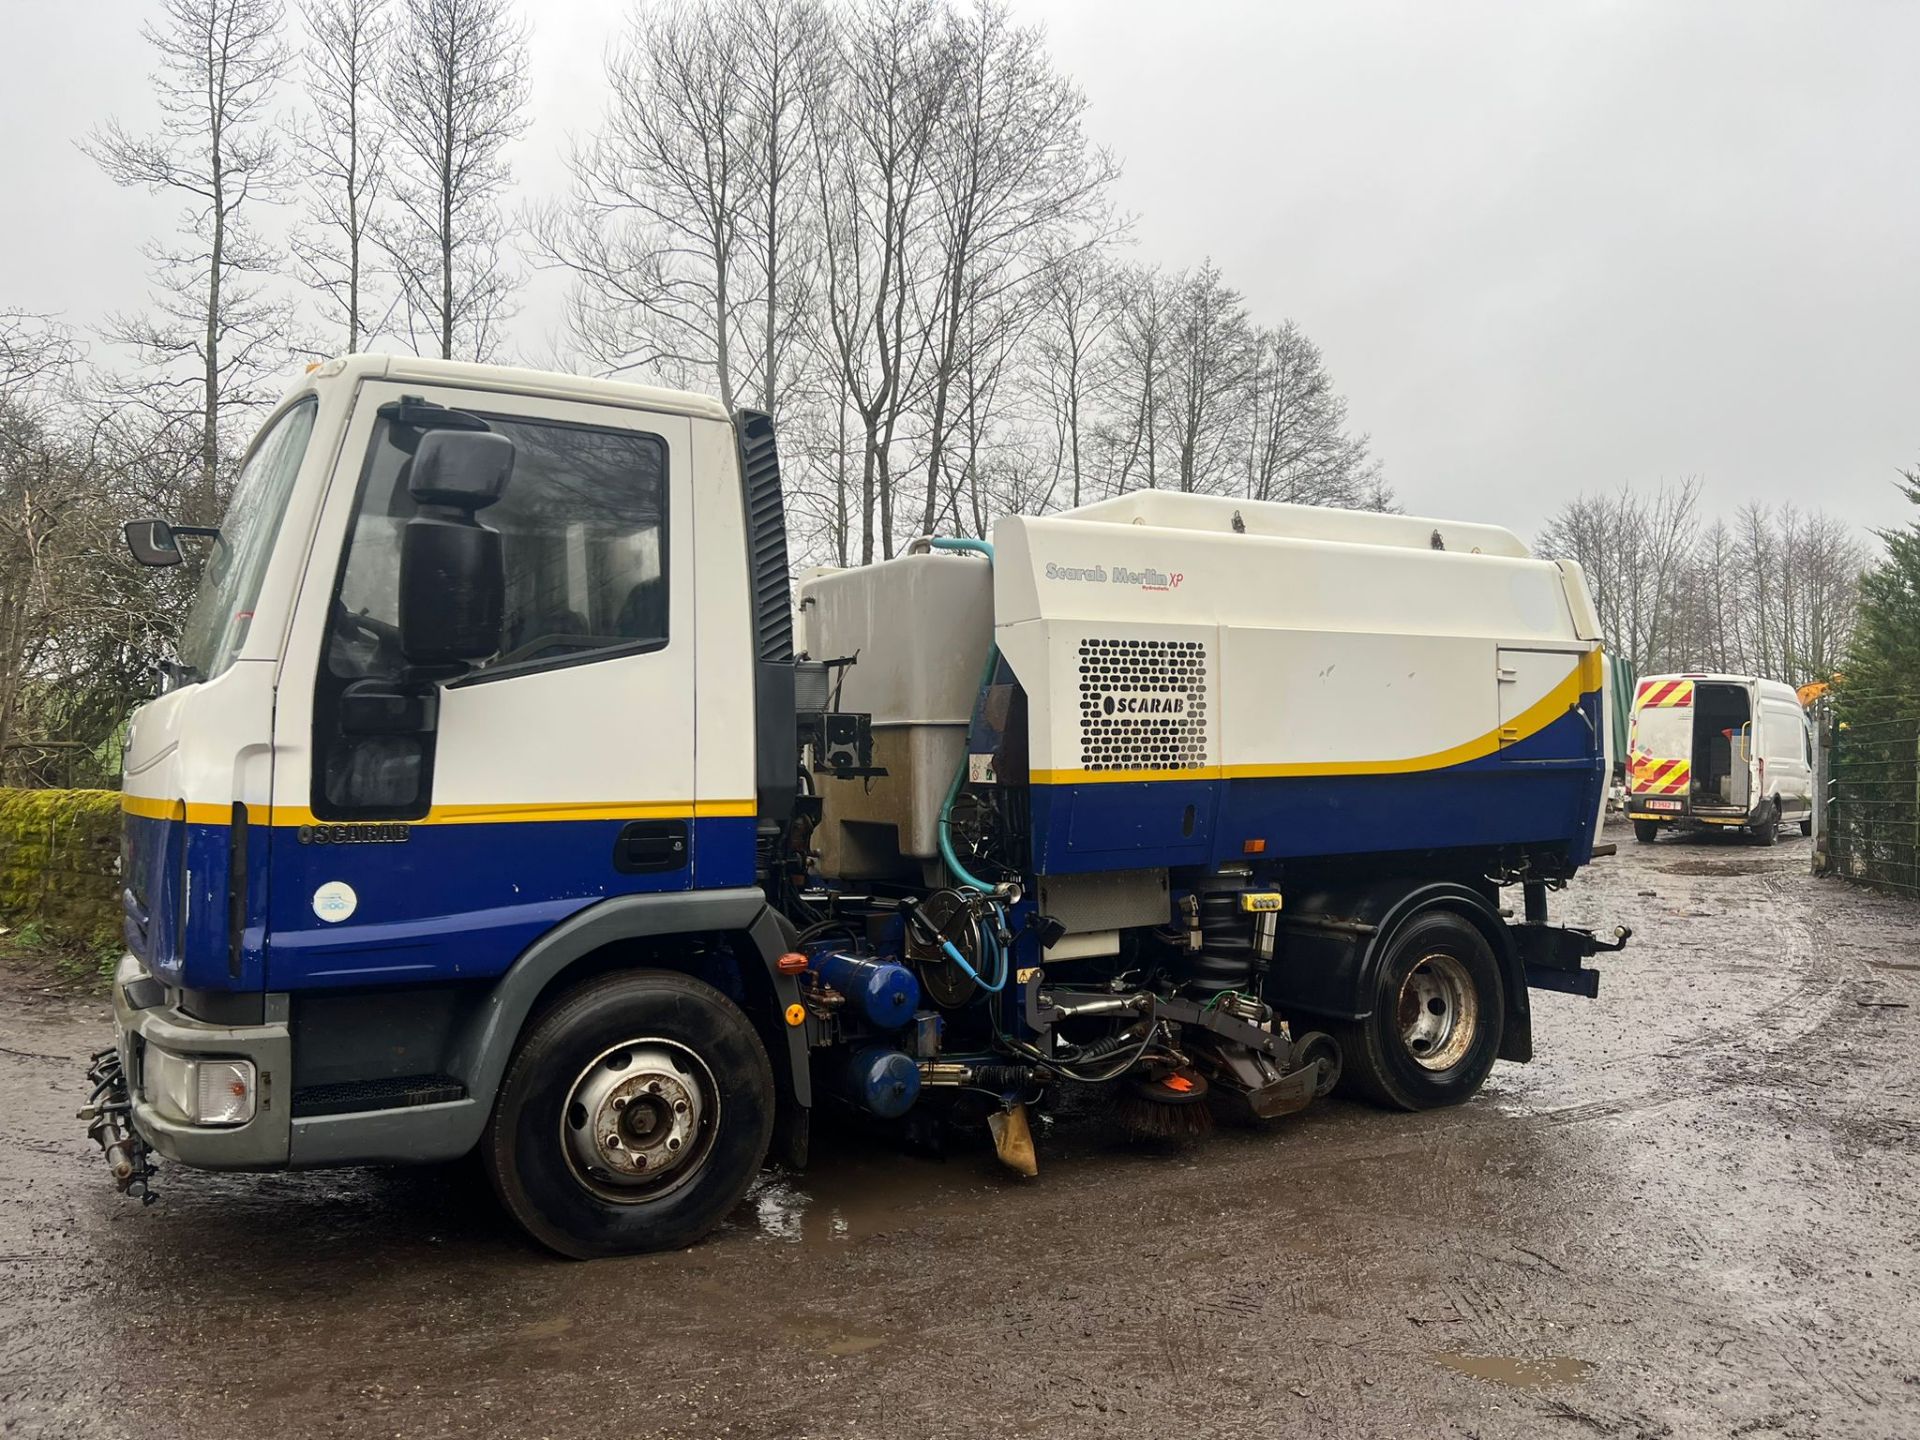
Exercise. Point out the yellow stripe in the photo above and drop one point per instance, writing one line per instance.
(203, 814)
(1582, 681)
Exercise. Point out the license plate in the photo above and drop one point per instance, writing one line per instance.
(1661, 804)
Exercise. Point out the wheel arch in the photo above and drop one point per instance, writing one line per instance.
(643, 931)
(1338, 937)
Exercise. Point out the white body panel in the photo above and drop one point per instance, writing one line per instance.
(1318, 653)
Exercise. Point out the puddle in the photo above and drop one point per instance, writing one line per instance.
(826, 1339)
(856, 1190)
(1523, 1372)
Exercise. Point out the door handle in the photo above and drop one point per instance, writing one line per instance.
(651, 847)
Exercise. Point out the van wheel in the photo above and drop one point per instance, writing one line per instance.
(1646, 831)
(1768, 831)
(1438, 1011)
(633, 1116)
(1806, 826)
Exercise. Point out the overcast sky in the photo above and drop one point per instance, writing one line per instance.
(1546, 247)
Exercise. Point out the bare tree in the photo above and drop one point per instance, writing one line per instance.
(341, 154)
(1298, 446)
(456, 94)
(1635, 552)
(1210, 357)
(1144, 335)
(678, 232)
(1073, 354)
(1017, 184)
(872, 144)
(214, 333)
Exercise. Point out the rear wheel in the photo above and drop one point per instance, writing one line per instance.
(1438, 1010)
(1767, 832)
(1646, 831)
(633, 1116)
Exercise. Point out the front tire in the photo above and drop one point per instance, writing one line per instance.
(1646, 831)
(1806, 826)
(1438, 1011)
(633, 1117)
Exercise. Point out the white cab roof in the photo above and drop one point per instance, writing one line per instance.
(545, 383)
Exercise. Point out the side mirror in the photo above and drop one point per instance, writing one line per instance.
(452, 573)
(152, 542)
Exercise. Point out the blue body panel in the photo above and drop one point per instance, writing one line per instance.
(452, 901)
(1544, 789)
(197, 953)
(462, 901)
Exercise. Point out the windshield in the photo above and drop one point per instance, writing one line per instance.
(1663, 731)
(217, 624)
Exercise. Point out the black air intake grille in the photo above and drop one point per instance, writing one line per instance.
(1143, 704)
(766, 536)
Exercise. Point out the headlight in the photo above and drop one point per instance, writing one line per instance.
(201, 1091)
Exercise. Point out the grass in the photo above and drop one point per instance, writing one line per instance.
(82, 968)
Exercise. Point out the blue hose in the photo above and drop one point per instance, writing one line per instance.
(961, 873)
(989, 945)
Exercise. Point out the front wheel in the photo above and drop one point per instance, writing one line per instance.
(1438, 1011)
(633, 1116)
(1806, 826)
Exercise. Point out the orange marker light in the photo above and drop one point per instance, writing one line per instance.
(791, 963)
(1254, 847)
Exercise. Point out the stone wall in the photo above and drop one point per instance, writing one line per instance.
(59, 863)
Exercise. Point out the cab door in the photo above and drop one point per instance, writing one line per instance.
(553, 774)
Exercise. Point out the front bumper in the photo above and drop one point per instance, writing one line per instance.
(147, 1021)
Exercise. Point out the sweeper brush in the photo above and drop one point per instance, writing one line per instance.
(1167, 1106)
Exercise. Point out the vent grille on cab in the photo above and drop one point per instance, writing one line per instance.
(1143, 704)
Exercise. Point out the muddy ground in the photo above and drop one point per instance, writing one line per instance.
(1697, 1213)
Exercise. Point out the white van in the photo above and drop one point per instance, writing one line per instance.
(1718, 752)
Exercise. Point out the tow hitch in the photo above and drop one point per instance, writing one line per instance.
(109, 1117)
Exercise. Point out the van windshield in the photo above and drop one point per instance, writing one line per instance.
(230, 585)
(1663, 731)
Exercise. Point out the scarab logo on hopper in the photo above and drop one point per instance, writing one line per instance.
(1144, 705)
(1147, 579)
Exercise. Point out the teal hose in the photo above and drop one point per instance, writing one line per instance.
(960, 872)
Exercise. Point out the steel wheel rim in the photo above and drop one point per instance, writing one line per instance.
(1438, 1012)
(640, 1120)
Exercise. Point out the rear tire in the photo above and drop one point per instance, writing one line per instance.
(1768, 831)
(1646, 831)
(633, 1116)
(1438, 1011)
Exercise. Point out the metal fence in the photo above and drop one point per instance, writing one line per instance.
(1868, 778)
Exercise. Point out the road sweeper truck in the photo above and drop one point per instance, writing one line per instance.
(493, 803)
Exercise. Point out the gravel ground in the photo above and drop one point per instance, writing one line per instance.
(1693, 1215)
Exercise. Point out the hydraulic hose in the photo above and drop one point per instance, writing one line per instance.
(989, 944)
(965, 876)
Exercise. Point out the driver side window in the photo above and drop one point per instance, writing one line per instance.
(582, 529)
(582, 525)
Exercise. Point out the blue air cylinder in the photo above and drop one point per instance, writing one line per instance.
(884, 1081)
(886, 993)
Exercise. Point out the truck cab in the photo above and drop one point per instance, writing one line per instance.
(488, 807)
